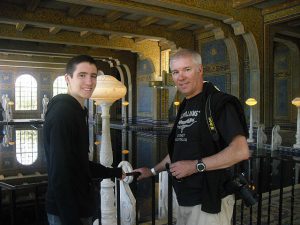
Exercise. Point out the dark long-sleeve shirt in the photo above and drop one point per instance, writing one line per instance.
(70, 192)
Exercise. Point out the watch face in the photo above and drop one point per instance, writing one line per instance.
(200, 167)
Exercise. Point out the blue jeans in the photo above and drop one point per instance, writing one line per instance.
(55, 220)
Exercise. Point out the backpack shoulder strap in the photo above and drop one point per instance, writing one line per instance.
(241, 166)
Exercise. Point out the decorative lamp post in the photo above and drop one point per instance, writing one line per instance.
(251, 102)
(176, 104)
(125, 153)
(125, 104)
(296, 102)
(107, 91)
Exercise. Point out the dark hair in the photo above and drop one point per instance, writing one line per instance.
(73, 62)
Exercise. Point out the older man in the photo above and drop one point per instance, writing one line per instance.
(197, 161)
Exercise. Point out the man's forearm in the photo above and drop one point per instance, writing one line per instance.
(236, 151)
(161, 166)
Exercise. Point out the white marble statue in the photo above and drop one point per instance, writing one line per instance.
(45, 102)
(4, 106)
(276, 138)
(8, 109)
(3, 100)
(261, 136)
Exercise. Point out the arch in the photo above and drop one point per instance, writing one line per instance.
(123, 112)
(295, 68)
(254, 69)
(26, 154)
(59, 85)
(234, 67)
(254, 73)
(26, 93)
(232, 52)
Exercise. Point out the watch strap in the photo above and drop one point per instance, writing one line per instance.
(153, 171)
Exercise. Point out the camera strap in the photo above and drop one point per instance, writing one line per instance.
(210, 123)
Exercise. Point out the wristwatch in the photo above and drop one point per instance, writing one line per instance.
(200, 166)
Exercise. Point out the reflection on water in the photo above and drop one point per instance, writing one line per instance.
(25, 141)
(144, 148)
(6, 136)
(26, 146)
(26, 156)
(21, 150)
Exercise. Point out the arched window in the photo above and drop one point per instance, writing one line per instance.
(26, 146)
(26, 93)
(59, 86)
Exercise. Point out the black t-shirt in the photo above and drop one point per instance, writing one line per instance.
(187, 145)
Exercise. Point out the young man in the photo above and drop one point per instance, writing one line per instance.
(70, 196)
(196, 162)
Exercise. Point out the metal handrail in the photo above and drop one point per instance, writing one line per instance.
(262, 176)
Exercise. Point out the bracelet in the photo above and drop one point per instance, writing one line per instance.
(153, 171)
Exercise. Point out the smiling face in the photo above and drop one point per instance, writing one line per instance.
(187, 75)
(83, 81)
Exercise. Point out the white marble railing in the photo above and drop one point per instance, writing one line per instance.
(163, 198)
(127, 199)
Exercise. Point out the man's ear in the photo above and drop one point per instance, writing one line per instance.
(67, 78)
(200, 68)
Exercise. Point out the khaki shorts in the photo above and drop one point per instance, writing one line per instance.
(195, 216)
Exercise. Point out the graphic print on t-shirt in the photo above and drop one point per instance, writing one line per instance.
(187, 119)
(187, 146)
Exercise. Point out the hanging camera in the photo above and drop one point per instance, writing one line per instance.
(240, 186)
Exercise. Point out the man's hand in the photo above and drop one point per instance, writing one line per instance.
(145, 173)
(184, 168)
(123, 175)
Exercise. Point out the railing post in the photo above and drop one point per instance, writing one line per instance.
(251, 180)
(170, 201)
(13, 207)
(270, 190)
(281, 167)
(118, 203)
(37, 205)
(259, 189)
(153, 199)
(0, 203)
(293, 194)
